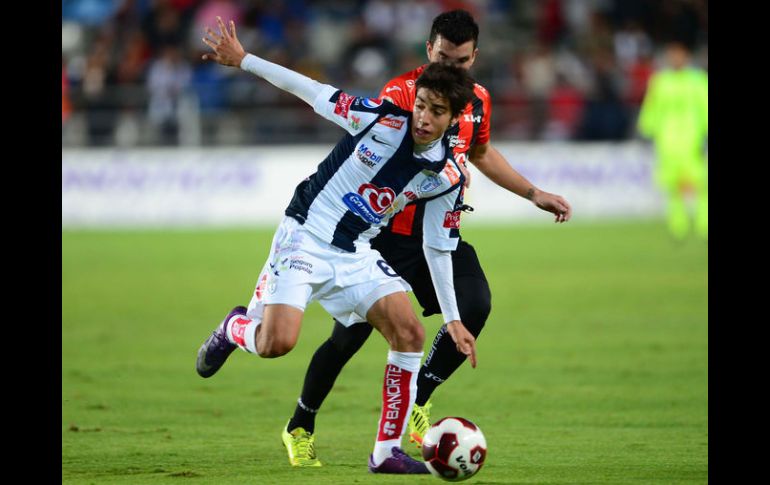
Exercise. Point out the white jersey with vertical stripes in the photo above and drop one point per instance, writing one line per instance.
(372, 173)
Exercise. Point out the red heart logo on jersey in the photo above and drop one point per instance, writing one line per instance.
(379, 198)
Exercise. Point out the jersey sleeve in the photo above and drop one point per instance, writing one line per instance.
(441, 222)
(397, 92)
(482, 138)
(442, 276)
(703, 98)
(648, 113)
(352, 113)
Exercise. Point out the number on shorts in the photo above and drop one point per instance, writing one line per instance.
(385, 268)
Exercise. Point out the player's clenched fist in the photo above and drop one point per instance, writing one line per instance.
(227, 48)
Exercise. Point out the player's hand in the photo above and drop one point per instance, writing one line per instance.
(226, 46)
(553, 203)
(464, 340)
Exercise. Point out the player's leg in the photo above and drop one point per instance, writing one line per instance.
(474, 302)
(404, 257)
(702, 199)
(279, 330)
(393, 317)
(668, 177)
(270, 326)
(326, 364)
(272, 334)
(328, 361)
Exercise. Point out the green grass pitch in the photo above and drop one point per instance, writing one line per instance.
(593, 367)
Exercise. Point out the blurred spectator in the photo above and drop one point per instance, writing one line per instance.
(401, 23)
(102, 114)
(168, 78)
(380, 17)
(631, 43)
(163, 24)
(604, 117)
(208, 11)
(638, 75)
(367, 59)
(565, 107)
(66, 106)
(598, 38)
(577, 17)
(133, 61)
(682, 18)
(88, 12)
(551, 24)
(541, 60)
(209, 80)
(539, 79)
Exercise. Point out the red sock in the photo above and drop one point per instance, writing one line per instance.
(399, 390)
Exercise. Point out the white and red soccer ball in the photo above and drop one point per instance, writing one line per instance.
(454, 449)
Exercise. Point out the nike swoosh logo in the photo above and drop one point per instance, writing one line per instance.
(201, 361)
(392, 88)
(374, 137)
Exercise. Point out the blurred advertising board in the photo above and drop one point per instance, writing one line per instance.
(162, 187)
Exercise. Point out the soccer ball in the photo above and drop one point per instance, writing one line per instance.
(454, 449)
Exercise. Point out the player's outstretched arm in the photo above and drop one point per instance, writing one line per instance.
(492, 164)
(441, 273)
(228, 51)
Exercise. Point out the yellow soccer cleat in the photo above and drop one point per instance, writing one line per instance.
(419, 423)
(300, 446)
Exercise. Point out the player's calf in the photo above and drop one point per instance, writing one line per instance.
(279, 331)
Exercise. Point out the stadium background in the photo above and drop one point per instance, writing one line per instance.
(175, 171)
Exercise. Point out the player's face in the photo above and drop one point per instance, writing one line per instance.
(676, 56)
(445, 51)
(430, 116)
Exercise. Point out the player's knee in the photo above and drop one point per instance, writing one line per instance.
(409, 335)
(475, 307)
(275, 346)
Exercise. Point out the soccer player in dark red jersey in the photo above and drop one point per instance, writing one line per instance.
(453, 39)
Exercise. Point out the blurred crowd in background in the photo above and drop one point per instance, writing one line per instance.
(132, 73)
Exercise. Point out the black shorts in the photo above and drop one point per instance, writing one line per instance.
(405, 255)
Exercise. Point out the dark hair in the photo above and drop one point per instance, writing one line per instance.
(456, 26)
(450, 82)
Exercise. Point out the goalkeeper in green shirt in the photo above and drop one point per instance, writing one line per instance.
(674, 114)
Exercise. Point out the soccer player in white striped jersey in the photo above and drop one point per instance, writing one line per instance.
(321, 249)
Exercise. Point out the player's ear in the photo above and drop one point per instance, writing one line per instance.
(428, 48)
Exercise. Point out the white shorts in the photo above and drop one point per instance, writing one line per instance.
(302, 268)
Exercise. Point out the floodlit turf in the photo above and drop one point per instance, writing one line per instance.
(593, 367)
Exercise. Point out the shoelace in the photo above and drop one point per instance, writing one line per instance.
(305, 447)
(399, 451)
(422, 421)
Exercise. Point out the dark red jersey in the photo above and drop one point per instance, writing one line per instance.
(472, 128)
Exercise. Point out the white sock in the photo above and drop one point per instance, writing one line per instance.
(399, 390)
(242, 331)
